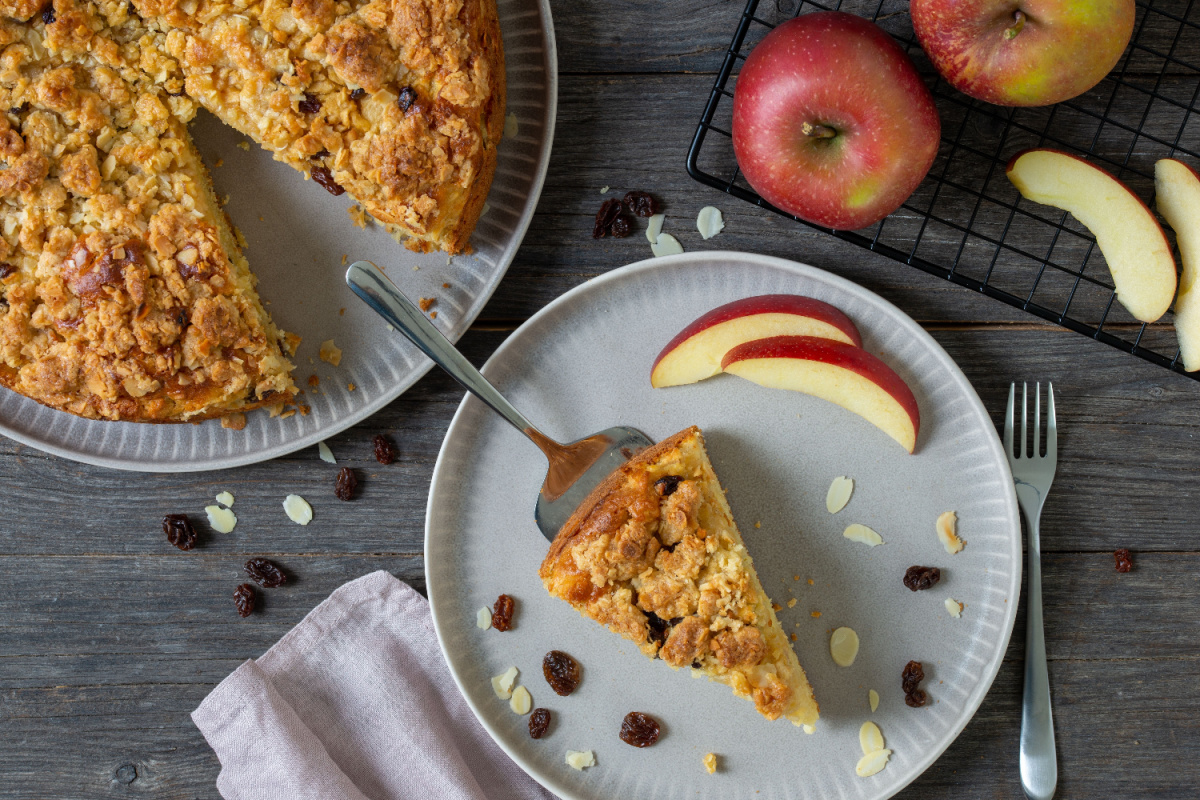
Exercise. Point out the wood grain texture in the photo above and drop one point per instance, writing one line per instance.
(109, 637)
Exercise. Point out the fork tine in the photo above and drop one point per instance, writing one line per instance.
(1051, 426)
(1037, 421)
(1008, 421)
(1020, 452)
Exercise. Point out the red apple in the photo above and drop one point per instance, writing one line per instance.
(848, 376)
(1023, 52)
(696, 352)
(1177, 193)
(831, 122)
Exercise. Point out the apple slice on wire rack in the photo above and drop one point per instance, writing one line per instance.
(1132, 241)
(696, 351)
(1177, 194)
(835, 371)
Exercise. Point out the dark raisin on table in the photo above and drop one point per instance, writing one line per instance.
(358, 94)
(502, 613)
(323, 176)
(920, 578)
(179, 531)
(620, 228)
(265, 572)
(610, 212)
(539, 723)
(639, 730)
(385, 451)
(346, 483)
(911, 677)
(407, 98)
(916, 698)
(1124, 560)
(309, 105)
(642, 204)
(562, 672)
(666, 485)
(243, 600)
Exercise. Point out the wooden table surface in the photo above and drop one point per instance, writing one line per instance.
(109, 636)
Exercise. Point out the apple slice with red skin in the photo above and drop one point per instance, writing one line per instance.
(1177, 194)
(1132, 241)
(696, 352)
(840, 373)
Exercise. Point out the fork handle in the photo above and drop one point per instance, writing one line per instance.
(1039, 765)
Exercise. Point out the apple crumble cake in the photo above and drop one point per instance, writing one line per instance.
(654, 554)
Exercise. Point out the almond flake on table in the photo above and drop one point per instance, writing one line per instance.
(325, 453)
(667, 245)
(222, 520)
(873, 700)
(578, 759)
(502, 684)
(511, 126)
(839, 494)
(709, 222)
(947, 531)
(483, 618)
(297, 509)
(870, 738)
(872, 763)
(954, 608)
(843, 646)
(654, 227)
(330, 353)
(520, 702)
(225, 499)
(603, 190)
(861, 533)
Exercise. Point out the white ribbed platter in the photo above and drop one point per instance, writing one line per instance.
(299, 237)
(582, 364)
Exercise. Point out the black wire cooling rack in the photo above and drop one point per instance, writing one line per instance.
(966, 223)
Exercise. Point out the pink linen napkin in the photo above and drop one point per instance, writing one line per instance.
(355, 703)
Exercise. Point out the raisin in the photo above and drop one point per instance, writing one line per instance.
(243, 600)
(385, 451)
(912, 676)
(620, 228)
(324, 177)
(265, 573)
(48, 14)
(666, 485)
(407, 98)
(539, 722)
(358, 94)
(1124, 560)
(21, 109)
(610, 211)
(179, 531)
(916, 698)
(319, 155)
(309, 105)
(502, 613)
(641, 204)
(347, 482)
(6, 270)
(639, 730)
(920, 578)
(659, 628)
(562, 672)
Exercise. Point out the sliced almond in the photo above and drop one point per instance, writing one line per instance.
(654, 227)
(325, 453)
(502, 684)
(947, 531)
(225, 499)
(954, 608)
(330, 353)
(838, 494)
(483, 618)
(511, 126)
(861, 533)
(521, 702)
(666, 245)
(870, 738)
(710, 762)
(603, 190)
(297, 509)
(222, 520)
(872, 763)
(809, 729)
(710, 222)
(578, 759)
(873, 699)
(843, 646)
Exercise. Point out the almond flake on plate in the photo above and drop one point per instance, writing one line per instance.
(578, 759)
(667, 245)
(872, 763)
(511, 126)
(709, 222)
(838, 494)
(954, 608)
(870, 738)
(873, 699)
(325, 453)
(603, 190)
(710, 762)
(297, 509)
(843, 646)
(502, 684)
(222, 520)
(947, 531)
(654, 227)
(861, 533)
(521, 702)
(330, 353)
(225, 499)
(483, 618)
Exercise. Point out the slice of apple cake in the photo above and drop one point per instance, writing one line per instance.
(654, 554)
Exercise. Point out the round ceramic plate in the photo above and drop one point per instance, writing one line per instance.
(582, 364)
(299, 239)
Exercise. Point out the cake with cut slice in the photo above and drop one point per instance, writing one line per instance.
(653, 553)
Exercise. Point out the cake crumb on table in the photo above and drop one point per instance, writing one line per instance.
(710, 763)
(330, 353)
(426, 303)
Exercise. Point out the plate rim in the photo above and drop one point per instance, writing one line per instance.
(988, 676)
(424, 364)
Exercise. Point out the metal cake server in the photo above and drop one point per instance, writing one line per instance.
(575, 468)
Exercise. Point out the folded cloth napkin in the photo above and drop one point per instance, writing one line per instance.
(355, 703)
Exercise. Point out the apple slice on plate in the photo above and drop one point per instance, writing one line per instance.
(1132, 241)
(835, 371)
(1177, 192)
(696, 352)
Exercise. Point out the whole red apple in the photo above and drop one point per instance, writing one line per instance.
(831, 122)
(1023, 52)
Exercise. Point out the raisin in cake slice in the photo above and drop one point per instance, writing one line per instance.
(654, 554)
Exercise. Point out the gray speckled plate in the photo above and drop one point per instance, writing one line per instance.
(582, 364)
(299, 237)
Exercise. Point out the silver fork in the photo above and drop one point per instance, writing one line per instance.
(1033, 473)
